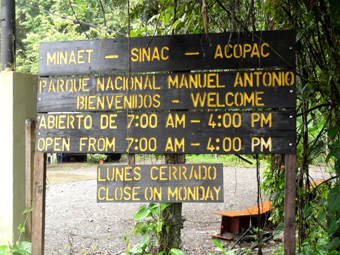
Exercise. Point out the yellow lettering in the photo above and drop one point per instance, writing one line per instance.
(53, 144)
(42, 84)
(218, 52)
(217, 191)
(175, 145)
(155, 54)
(151, 173)
(172, 193)
(149, 54)
(173, 82)
(163, 56)
(134, 54)
(246, 48)
(72, 58)
(162, 174)
(80, 57)
(108, 121)
(198, 100)
(255, 51)
(135, 193)
(98, 176)
(256, 141)
(98, 193)
(262, 50)
(51, 58)
(97, 145)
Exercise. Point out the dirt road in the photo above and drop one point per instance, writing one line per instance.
(77, 224)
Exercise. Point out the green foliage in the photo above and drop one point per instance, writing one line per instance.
(221, 250)
(333, 199)
(272, 184)
(96, 158)
(175, 251)
(192, 17)
(317, 34)
(149, 224)
(279, 229)
(23, 248)
(20, 247)
(44, 21)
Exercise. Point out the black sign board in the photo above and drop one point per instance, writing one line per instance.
(167, 132)
(256, 89)
(160, 183)
(274, 49)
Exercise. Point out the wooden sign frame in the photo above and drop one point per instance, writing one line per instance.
(256, 50)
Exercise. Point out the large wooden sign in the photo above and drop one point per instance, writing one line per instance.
(160, 183)
(106, 113)
(167, 132)
(169, 53)
(256, 89)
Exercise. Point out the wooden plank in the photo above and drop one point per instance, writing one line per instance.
(29, 159)
(257, 89)
(234, 221)
(164, 132)
(289, 204)
(106, 123)
(264, 208)
(173, 183)
(169, 53)
(39, 198)
(197, 143)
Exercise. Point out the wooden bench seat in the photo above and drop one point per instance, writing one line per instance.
(234, 221)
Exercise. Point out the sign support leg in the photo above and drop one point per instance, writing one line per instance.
(29, 137)
(39, 197)
(173, 214)
(131, 159)
(289, 204)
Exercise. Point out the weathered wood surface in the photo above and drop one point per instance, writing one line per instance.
(289, 204)
(173, 183)
(227, 90)
(169, 53)
(39, 201)
(29, 166)
(164, 132)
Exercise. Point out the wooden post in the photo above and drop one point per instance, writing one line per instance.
(131, 159)
(29, 137)
(54, 159)
(290, 197)
(173, 214)
(39, 195)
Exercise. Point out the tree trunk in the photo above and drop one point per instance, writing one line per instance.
(171, 234)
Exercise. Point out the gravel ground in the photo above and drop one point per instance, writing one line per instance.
(77, 224)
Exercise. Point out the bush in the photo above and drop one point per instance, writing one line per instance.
(95, 158)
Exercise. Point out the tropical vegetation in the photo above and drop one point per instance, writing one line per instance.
(317, 29)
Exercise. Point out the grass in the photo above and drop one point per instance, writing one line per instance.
(226, 160)
(69, 165)
(229, 160)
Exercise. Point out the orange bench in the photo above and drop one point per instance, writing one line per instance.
(233, 221)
